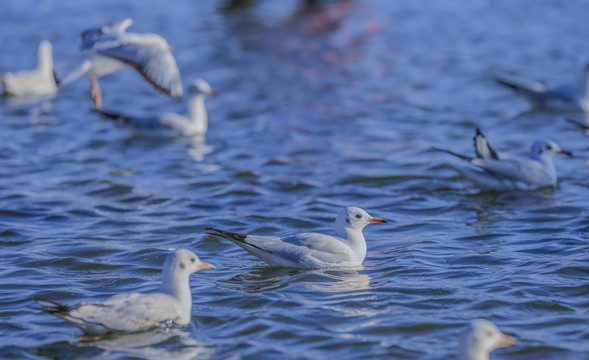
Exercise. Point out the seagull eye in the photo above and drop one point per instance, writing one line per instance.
(548, 147)
(358, 216)
(192, 260)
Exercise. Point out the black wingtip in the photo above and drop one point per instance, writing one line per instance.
(51, 307)
(578, 124)
(225, 234)
(504, 82)
(56, 79)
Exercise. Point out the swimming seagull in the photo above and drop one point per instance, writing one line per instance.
(132, 312)
(501, 172)
(311, 250)
(565, 97)
(111, 48)
(480, 339)
(31, 83)
(194, 122)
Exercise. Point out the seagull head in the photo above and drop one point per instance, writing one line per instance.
(546, 150)
(483, 337)
(199, 86)
(185, 261)
(354, 218)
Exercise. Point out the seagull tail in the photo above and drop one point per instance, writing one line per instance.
(463, 157)
(578, 124)
(225, 234)
(52, 307)
(113, 115)
(508, 83)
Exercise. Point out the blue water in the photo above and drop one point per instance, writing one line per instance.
(316, 111)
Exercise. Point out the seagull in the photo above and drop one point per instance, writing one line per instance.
(311, 250)
(501, 172)
(481, 338)
(32, 83)
(565, 97)
(194, 122)
(110, 48)
(131, 312)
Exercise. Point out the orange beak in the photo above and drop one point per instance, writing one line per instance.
(378, 220)
(508, 341)
(212, 93)
(565, 152)
(171, 49)
(205, 265)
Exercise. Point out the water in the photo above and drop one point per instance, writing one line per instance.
(312, 115)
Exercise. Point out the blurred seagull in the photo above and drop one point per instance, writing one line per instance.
(501, 172)
(565, 97)
(132, 312)
(578, 124)
(111, 48)
(480, 339)
(194, 122)
(311, 250)
(32, 83)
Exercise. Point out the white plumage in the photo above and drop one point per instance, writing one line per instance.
(111, 48)
(311, 250)
(194, 122)
(32, 83)
(131, 312)
(501, 172)
(482, 337)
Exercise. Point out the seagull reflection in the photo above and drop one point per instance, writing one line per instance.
(161, 343)
(262, 279)
(338, 280)
(197, 148)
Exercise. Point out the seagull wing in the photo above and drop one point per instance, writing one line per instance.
(483, 148)
(304, 250)
(515, 169)
(70, 70)
(156, 65)
(125, 312)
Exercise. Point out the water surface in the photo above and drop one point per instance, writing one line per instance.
(316, 111)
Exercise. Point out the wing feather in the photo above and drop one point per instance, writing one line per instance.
(157, 66)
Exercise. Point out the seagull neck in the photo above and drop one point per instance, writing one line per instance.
(356, 241)
(45, 60)
(197, 113)
(176, 284)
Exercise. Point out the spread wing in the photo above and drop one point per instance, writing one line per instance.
(155, 64)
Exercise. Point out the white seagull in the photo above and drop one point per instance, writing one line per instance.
(501, 172)
(194, 122)
(311, 250)
(480, 339)
(32, 83)
(111, 48)
(131, 312)
(565, 97)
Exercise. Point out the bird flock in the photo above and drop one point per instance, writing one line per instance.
(110, 48)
